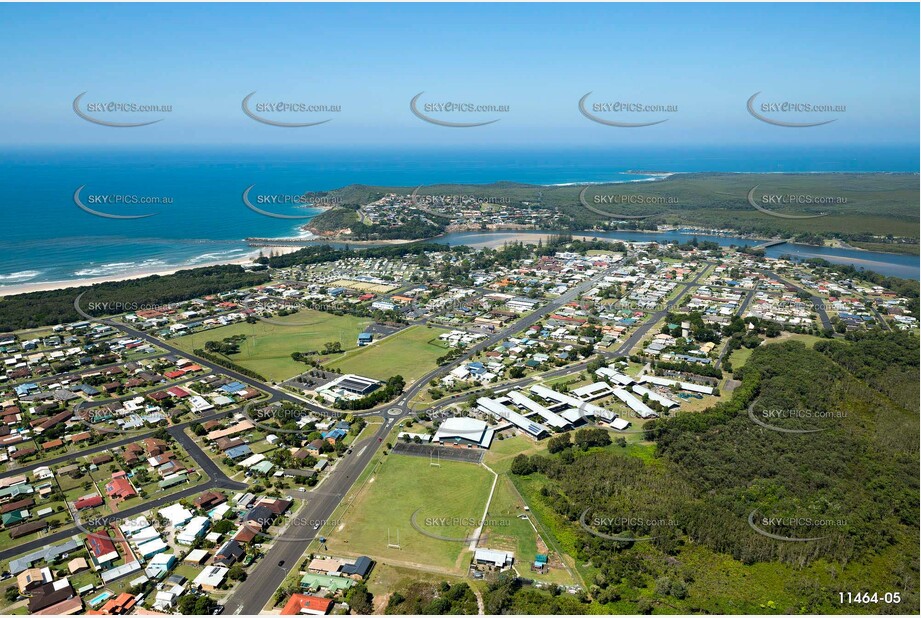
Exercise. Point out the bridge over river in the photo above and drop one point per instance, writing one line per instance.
(773, 243)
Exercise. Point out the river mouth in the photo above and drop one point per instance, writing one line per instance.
(889, 264)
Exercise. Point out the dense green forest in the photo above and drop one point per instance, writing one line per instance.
(334, 219)
(851, 484)
(57, 306)
(320, 254)
(504, 595)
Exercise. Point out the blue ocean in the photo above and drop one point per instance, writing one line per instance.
(201, 216)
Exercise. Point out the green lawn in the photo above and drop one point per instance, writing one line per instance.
(189, 571)
(501, 453)
(557, 531)
(386, 578)
(82, 579)
(807, 340)
(262, 447)
(410, 353)
(268, 347)
(739, 357)
(402, 486)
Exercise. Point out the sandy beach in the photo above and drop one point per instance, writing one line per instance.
(42, 286)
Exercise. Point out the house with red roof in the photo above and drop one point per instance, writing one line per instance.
(120, 489)
(120, 605)
(47, 446)
(102, 548)
(307, 604)
(88, 502)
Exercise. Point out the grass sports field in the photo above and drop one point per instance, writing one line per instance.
(410, 353)
(268, 347)
(455, 491)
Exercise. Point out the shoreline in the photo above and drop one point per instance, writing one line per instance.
(47, 286)
(515, 236)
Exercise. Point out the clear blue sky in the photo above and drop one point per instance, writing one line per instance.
(539, 59)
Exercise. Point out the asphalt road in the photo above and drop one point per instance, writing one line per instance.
(216, 480)
(251, 595)
(742, 307)
(219, 480)
(106, 446)
(816, 301)
(622, 350)
(65, 533)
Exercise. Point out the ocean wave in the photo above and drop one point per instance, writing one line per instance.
(23, 275)
(117, 268)
(217, 255)
(649, 178)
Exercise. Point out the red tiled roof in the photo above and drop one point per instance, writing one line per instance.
(85, 503)
(120, 488)
(100, 543)
(300, 602)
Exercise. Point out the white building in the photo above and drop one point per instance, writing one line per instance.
(496, 408)
(192, 530)
(552, 418)
(176, 514)
(582, 408)
(654, 396)
(596, 390)
(464, 431)
(211, 578)
(199, 404)
(615, 376)
(685, 386)
(159, 565)
(640, 408)
(493, 558)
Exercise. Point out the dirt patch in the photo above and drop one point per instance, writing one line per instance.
(541, 546)
(380, 602)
